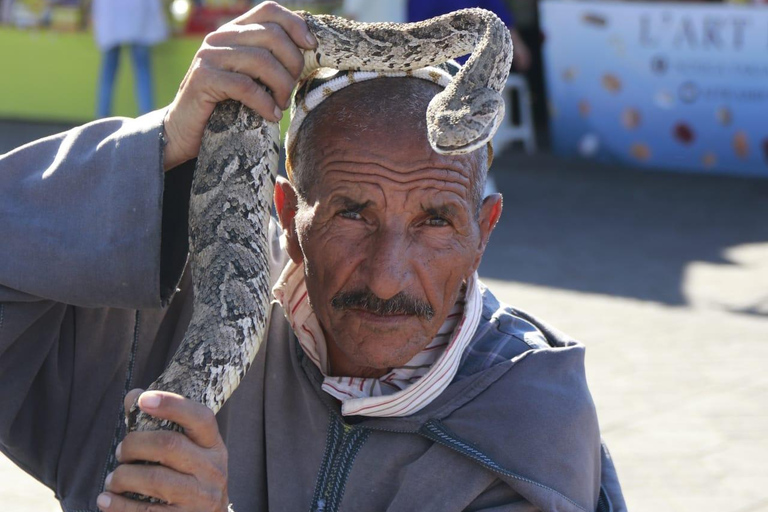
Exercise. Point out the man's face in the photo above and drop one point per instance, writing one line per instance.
(388, 235)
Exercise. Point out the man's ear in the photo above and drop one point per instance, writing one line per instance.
(286, 205)
(490, 212)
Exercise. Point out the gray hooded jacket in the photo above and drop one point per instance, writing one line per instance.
(94, 247)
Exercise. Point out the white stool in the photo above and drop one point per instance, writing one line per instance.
(523, 131)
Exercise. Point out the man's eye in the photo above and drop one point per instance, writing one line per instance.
(351, 214)
(436, 222)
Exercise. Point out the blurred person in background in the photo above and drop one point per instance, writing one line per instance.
(419, 10)
(5, 10)
(138, 24)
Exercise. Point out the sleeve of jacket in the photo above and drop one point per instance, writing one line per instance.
(82, 217)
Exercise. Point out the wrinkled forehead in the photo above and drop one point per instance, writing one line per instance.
(383, 119)
(382, 153)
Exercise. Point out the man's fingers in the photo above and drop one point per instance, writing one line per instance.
(158, 482)
(202, 90)
(214, 85)
(197, 420)
(269, 36)
(130, 399)
(250, 93)
(293, 24)
(254, 63)
(171, 449)
(111, 502)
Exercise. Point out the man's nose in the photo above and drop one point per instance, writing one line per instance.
(387, 264)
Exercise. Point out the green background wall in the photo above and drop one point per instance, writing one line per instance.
(52, 76)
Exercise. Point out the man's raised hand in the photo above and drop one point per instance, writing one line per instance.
(255, 59)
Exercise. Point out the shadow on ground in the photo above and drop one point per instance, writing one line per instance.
(617, 231)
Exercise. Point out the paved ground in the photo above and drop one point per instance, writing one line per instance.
(665, 278)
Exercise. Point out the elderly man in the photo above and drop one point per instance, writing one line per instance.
(391, 378)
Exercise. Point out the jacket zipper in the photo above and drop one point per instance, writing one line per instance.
(343, 442)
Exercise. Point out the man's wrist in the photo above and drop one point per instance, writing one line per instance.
(172, 156)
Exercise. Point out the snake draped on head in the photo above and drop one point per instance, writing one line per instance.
(234, 179)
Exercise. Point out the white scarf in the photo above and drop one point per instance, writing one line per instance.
(402, 391)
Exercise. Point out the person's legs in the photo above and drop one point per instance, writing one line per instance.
(110, 59)
(142, 69)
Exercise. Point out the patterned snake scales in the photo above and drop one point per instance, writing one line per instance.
(236, 169)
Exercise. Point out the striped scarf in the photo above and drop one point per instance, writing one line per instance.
(402, 391)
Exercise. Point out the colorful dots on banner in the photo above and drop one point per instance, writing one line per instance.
(569, 74)
(611, 83)
(740, 144)
(659, 65)
(688, 92)
(709, 159)
(630, 118)
(724, 116)
(589, 144)
(664, 99)
(638, 84)
(594, 20)
(585, 108)
(618, 45)
(683, 133)
(640, 151)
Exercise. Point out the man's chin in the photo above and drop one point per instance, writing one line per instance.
(381, 364)
(376, 341)
(388, 349)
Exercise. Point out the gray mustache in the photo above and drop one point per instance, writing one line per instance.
(400, 304)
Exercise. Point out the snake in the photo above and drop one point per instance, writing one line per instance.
(233, 184)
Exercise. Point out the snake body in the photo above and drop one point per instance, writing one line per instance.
(234, 179)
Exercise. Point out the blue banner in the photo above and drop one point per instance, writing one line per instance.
(672, 86)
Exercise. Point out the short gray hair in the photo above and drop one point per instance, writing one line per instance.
(369, 100)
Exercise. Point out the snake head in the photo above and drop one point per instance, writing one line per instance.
(462, 125)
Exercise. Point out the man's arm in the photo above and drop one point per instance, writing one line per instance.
(81, 224)
(82, 216)
(82, 210)
(265, 44)
(84, 219)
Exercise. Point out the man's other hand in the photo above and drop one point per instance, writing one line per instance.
(190, 473)
(255, 59)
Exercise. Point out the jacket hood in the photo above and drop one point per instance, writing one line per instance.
(531, 420)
